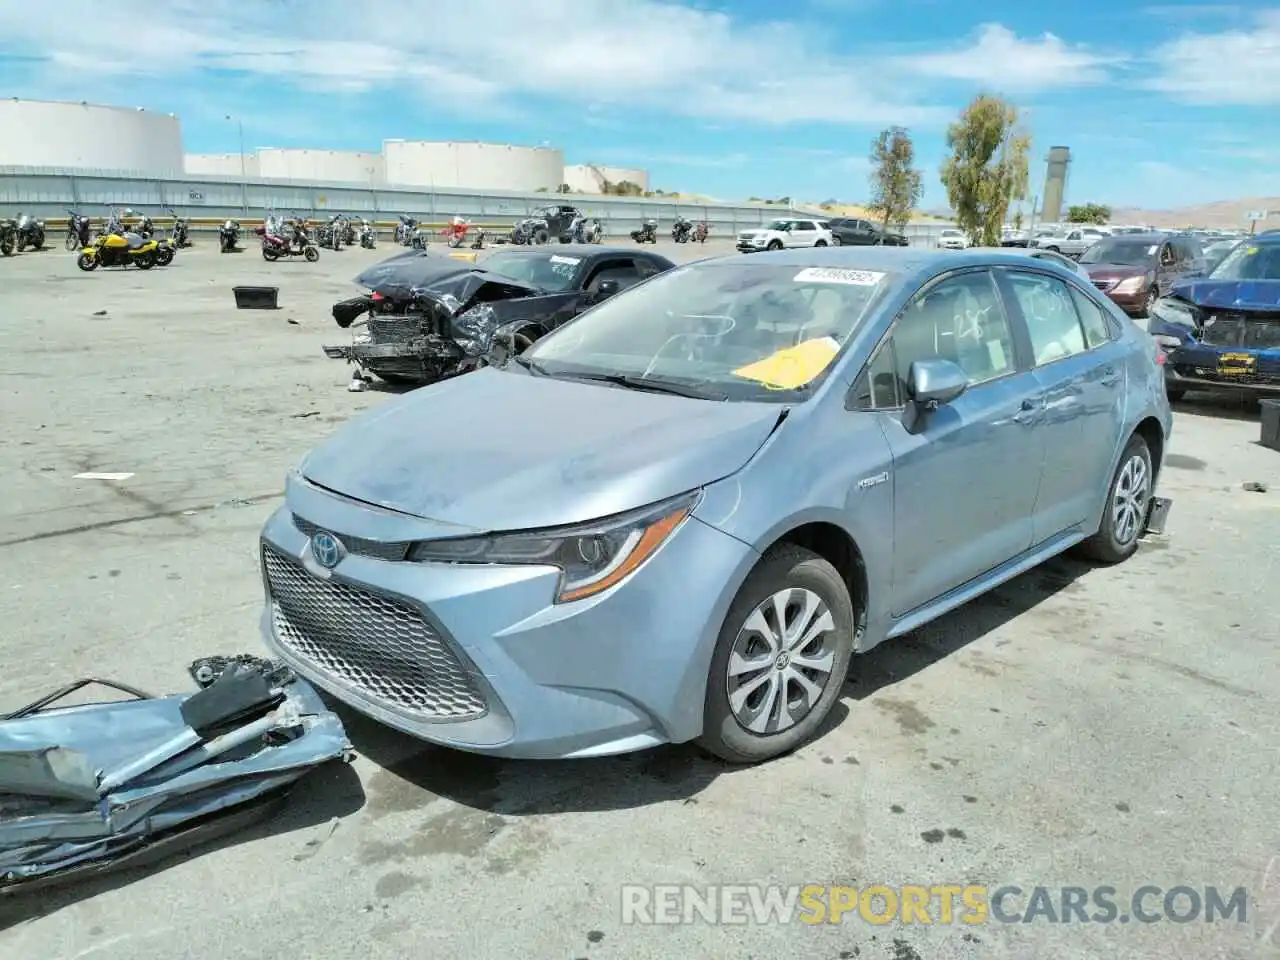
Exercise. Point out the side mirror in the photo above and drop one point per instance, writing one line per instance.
(605, 290)
(935, 383)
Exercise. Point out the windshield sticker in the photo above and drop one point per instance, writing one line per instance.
(567, 261)
(857, 278)
(793, 367)
(1151, 251)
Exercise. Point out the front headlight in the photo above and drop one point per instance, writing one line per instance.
(1170, 310)
(592, 557)
(1131, 285)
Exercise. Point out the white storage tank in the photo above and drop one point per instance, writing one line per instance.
(595, 177)
(221, 164)
(45, 133)
(275, 163)
(473, 166)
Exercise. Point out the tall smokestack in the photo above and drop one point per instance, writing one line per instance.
(1055, 184)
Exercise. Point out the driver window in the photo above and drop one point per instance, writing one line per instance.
(623, 271)
(961, 320)
(1166, 255)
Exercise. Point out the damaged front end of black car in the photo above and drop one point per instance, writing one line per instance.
(422, 332)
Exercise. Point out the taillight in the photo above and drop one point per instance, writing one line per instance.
(1160, 358)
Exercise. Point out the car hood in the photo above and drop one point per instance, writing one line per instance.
(454, 283)
(500, 450)
(1114, 271)
(1230, 294)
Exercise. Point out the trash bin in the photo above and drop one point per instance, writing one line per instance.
(1270, 424)
(257, 298)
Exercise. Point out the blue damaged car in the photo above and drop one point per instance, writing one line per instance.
(1222, 333)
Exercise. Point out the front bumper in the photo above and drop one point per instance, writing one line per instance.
(493, 665)
(1200, 367)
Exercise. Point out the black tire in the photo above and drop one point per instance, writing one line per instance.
(541, 237)
(87, 262)
(269, 254)
(311, 254)
(8, 246)
(1175, 393)
(1107, 545)
(837, 242)
(782, 567)
(165, 256)
(39, 241)
(1149, 304)
(72, 242)
(821, 243)
(22, 244)
(145, 261)
(774, 245)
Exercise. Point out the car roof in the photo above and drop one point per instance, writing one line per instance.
(911, 262)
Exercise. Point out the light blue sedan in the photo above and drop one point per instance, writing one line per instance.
(679, 516)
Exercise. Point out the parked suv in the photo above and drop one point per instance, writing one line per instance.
(1072, 241)
(789, 233)
(850, 232)
(1136, 269)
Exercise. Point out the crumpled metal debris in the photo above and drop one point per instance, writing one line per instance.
(84, 786)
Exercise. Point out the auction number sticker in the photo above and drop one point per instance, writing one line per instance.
(857, 278)
(567, 261)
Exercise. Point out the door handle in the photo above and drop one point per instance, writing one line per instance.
(1028, 412)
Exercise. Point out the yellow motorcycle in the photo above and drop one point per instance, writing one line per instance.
(114, 250)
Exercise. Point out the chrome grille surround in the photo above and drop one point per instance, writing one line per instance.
(357, 545)
(380, 646)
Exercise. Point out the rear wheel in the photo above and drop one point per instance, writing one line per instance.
(1125, 514)
(145, 261)
(781, 657)
(269, 254)
(821, 243)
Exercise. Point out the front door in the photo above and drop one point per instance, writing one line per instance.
(1080, 368)
(965, 478)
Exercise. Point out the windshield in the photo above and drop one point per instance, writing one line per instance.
(951, 233)
(1250, 261)
(551, 273)
(730, 330)
(1131, 253)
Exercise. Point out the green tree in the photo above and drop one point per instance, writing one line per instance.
(1089, 213)
(987, 169)
(627, 188)
(896, 186)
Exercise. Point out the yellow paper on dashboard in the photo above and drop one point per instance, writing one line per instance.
(794, 366)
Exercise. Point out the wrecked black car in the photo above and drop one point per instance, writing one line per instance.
(429, 316)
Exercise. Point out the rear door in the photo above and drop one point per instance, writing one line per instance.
(804, 233)
(1079, 367)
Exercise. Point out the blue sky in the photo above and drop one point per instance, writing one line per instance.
(1163, 105)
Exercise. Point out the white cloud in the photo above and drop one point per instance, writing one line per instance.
(1235, 67)
(999, 58)
(646, 53)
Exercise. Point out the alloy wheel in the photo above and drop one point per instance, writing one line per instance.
(781, 661)
(1129, 500)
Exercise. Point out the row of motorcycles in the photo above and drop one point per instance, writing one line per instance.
(683, 230)
(17, 234)
(458, 233)
(121, 243)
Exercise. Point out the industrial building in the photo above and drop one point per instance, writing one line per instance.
(85, 136)
(1055, 184)
(595, 178)
(43, 133)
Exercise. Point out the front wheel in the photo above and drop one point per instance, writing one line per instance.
(269, 254)
(145, 261)
(836, 241)
(1150, 303)
(541, 237)
(1125, 514)
(774, 245)
(72, 242)
(165, 256)
(311, 254)
(87, 262)
(781, 658)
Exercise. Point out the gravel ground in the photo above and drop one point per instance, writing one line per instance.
(1077, 727)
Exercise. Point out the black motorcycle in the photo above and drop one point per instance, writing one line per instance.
(648, 232)
(350, 235)
(8, 237)
(405, 230)
(228, 236)
(144, 227)
(368, 235)
(30, 232)
(77, 231)
(181, 233)
(681, 230)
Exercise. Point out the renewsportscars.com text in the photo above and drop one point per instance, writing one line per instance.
(970, 904)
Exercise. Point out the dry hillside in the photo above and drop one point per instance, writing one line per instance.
(1225, 214)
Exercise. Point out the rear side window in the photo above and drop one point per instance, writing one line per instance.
(1052, 321)
(1096, 329)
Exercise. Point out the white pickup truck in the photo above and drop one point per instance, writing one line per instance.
(1072, 241)
(790, 233)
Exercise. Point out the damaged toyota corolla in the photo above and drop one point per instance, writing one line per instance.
(430, 316)
(680, 515)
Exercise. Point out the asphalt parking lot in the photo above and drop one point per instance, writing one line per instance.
(1079, 726)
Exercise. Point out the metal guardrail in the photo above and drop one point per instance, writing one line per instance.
(49, 192)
